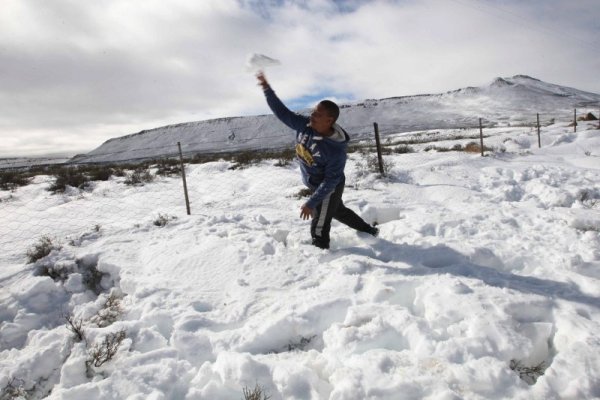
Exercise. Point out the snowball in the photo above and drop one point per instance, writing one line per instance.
(257, 62)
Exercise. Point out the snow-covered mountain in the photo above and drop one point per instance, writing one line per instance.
(506, 101)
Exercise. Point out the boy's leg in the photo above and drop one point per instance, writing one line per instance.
(321, 222)
(348, 217)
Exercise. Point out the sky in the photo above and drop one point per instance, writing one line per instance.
(74, 74)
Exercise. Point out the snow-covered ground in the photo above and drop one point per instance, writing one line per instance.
(482, 263)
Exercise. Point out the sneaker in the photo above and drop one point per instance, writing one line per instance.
(374, 230)
(320, 244)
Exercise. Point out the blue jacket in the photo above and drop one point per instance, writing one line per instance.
(322, 159)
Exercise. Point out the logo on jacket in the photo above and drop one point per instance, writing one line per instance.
(303, 154)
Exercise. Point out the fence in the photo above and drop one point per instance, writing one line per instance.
(140, 195)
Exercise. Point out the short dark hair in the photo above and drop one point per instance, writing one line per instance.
(332, 109)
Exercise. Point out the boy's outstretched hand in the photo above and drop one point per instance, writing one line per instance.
(262, 81)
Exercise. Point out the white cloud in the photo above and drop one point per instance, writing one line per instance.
(83, 72)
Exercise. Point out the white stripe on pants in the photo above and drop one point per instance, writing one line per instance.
(323, 215)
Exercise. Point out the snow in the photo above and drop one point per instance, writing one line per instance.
(480, 261)
(258, 62)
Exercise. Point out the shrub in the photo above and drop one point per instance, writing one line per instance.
(139, 177)
(473, 147)
(76, 327)
(403, 149)
(301, 344)
(258, 393)
(118, 171)
(244, 158)
(589, 198)
(285, 157)
(528, 374)
(68, 177)
(99, 173)
(168, 167)
(105, 351)
(10, 180)
(250, 157)
(371, 165)
(282, 162)
(14, 389)
(205, 158)
(302, 193)
(110, 312)
(163, 220)
(439, 149)
(41, 249)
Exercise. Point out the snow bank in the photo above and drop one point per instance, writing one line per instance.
(483, 284)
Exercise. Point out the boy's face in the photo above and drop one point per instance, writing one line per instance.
(320, 121)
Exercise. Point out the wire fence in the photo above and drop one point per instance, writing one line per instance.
(127, 201)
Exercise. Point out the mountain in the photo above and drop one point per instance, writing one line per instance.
(506, 101)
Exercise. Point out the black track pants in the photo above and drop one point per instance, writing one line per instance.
(333, 207)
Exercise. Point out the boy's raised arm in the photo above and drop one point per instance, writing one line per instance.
(291, 119)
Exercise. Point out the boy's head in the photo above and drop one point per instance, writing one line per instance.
(331, 108)
(324, 116)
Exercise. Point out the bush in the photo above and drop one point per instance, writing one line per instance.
(163, 220)
(99, 173)
(118, 171)
(473, 147)
(110, 312)
(403, 149)
(589, 198)
(139, 177)
(245, 158)
(105, 351)
(14, 389)
(304, 192)
(250, 157)
(285, 157)
(68, 177)
(10, 180)
(257, 393)
(528, 374)
(438, 149)
(76, 327)
(371, 165)
(41, 249)
(168, 167)
(301, 344)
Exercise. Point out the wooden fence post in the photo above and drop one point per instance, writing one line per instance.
(378, 144)
(185, 191)
(481, 136)
(538, 130)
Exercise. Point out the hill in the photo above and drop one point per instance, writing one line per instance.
(506, 101)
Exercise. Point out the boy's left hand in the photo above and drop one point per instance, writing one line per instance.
(306, 212)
